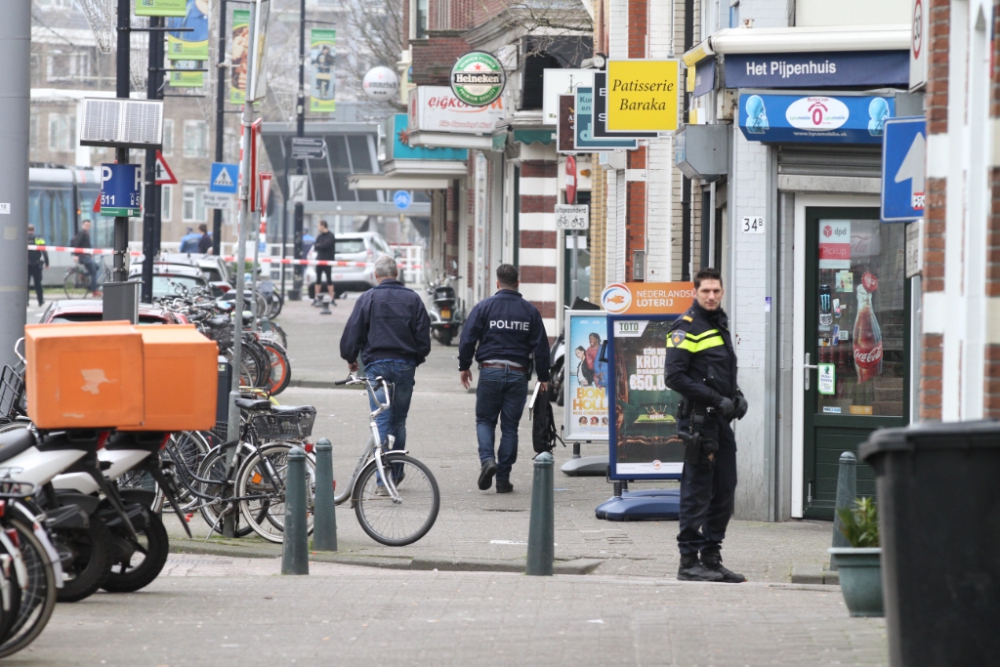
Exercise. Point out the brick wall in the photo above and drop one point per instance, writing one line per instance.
(598, 228)
(935, 203)
(539, 241)
(434, 57)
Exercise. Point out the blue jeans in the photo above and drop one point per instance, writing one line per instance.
(91, 266)
(500, 393)
(393, 421)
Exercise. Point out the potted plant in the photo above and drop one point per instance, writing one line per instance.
(860, 564)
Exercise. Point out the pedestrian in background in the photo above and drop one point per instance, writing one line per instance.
(82, 240)
(390, 332)
(326, 250)
(701, 367)
(37, 261)
(189, 242)
(205, 240)
(507, 335)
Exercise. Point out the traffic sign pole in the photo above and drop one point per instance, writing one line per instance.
(151, 217)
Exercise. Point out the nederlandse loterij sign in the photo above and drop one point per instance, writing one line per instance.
(477, 78)
(642, 95)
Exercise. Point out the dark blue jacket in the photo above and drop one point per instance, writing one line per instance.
(388, 322)
(505, 326)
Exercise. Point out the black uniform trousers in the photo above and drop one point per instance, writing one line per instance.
(35, 273)
(707, 496)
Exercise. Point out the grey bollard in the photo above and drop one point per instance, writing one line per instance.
(325, 518)
(326, 305)
(847, 491)
(541, 530)
(295, 552)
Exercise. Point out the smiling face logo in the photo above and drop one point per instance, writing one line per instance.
(616, 298)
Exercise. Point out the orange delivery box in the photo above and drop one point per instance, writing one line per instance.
(180, 371)
(84, 374)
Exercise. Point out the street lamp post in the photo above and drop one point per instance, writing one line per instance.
(220, 123)
(295, 294)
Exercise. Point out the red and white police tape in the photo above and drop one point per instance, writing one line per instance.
(228, 258)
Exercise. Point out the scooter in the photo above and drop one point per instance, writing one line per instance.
(445, 318)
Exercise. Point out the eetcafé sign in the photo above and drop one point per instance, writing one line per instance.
(437, 109)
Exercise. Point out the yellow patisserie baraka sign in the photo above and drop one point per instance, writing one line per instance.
(642, 95)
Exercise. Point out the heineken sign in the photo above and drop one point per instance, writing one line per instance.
(478, 78)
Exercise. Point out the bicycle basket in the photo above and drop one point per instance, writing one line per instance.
(293, 424)
(11, 394)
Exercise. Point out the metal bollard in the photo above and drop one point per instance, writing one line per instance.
(847, 491)
(326, 305)
(541, 530)
(325, 519)
(295, 552)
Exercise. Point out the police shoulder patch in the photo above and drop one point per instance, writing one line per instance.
(677, 337)
(688, 318)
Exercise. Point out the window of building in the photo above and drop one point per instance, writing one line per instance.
(70, 65)
(194, 203)
(419, 20)
(168, 136)
(166, 202)
(55, 4)
(62, 132)
(33, 132)
(195, 138)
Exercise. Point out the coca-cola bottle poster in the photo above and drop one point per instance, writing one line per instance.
(867, 333)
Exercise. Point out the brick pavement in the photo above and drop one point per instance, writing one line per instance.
(230, 614)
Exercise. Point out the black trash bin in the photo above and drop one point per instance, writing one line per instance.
(939, 506)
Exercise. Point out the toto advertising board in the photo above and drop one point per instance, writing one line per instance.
(437, 109)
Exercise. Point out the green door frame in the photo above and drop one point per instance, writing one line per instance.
(840, 426)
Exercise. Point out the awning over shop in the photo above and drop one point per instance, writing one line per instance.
(450, 140)
(545, 137)
(814, 39)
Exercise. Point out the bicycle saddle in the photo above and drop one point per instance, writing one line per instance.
(254, 404)
(14, 442)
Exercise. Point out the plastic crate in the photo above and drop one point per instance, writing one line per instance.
(290, 425)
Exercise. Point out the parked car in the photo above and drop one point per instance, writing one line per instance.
(165, 274)
(213, 266)
(92, 310)
(355, 247)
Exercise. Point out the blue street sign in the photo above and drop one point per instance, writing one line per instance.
(402, 199)
(224, 177)
(121, 185)
(903, 157)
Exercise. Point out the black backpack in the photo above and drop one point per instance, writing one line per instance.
(543, 428)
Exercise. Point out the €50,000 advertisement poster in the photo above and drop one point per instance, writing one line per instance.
(586, 377)
(643, 437)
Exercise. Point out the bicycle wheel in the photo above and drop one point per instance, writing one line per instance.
(264, 473)
(213, 468)
(257, 361)
(275, 304)
(38, 598)
(75, 284)
(275, 333)
(281, 368)
(397, 523)
(186, 449)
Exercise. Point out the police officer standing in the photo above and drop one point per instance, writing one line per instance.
(701, 366)
(391, 333)
(507, 335)
(37, 260)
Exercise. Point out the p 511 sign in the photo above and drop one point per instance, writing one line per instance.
(121, 185)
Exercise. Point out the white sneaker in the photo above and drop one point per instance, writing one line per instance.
(381, 490)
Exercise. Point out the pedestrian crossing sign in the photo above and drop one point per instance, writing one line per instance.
(224, 177)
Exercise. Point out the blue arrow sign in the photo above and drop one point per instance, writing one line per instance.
(402, 199)
(224, 178)
(904, 153)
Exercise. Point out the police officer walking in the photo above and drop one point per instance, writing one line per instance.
(391, 333)
(507, 335)
(37, 260)
(701, 366)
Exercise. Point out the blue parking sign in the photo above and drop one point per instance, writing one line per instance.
(224, 178)
(121, 185)
(904, 151)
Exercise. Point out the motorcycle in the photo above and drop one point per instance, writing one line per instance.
(445, 318)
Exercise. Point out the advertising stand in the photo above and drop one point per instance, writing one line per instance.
(585, 395)
(642, 435)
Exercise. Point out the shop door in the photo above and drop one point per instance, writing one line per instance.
(857, 343)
